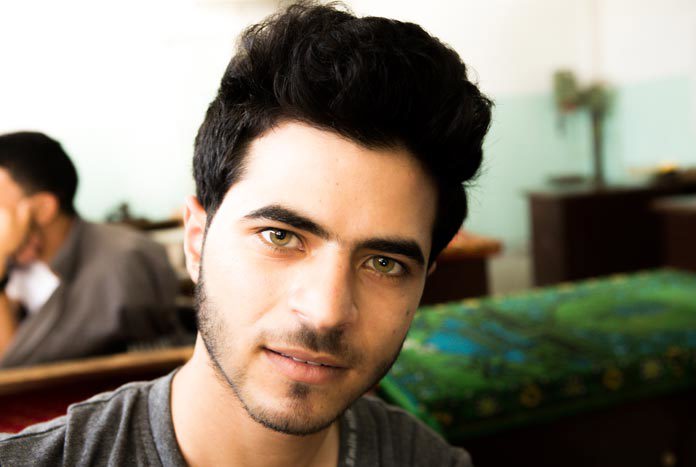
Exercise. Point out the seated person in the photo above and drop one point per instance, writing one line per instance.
(69, 288)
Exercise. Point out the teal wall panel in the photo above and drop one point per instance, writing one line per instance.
(649, 122)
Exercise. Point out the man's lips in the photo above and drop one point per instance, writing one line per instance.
(303, 356)
(305, 367)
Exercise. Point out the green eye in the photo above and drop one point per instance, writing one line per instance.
(383, 265)
(279, 237)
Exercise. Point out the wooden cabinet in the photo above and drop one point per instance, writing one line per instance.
(587, 232)
(677, 223)
(462, 269)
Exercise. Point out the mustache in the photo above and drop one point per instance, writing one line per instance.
(330, 341)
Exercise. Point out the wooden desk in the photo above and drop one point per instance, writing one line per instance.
(38, 393)
(585, 232)
(462, 269)
(677, 224)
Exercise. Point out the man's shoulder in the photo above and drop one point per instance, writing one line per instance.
(397, 437)
(119, 239)
(99, 430)
(40, 444)
(112, 254)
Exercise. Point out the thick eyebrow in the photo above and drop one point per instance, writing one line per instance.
(396, 246)
(275, 212)
(390, 245)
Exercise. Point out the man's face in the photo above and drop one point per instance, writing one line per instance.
(11, 193)
(312, 270)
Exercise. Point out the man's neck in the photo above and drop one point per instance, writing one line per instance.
(54, 235)
(213, 428)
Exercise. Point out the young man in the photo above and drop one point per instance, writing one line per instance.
(69, 288)
(329, 174)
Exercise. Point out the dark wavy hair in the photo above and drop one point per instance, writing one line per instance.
(379, 82)
(37, 163)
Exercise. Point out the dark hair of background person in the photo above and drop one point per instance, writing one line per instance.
(38, 163)
(379, 82)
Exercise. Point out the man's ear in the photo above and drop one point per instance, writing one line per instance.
(432, 268)
(195, 219)
(44, 207)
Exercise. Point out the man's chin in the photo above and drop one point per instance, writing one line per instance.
(287, 407)
(292, 408)
(297, 421)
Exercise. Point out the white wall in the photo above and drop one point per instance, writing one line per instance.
(649, 55)
(123, 84)
(646, 40)
(513, 45)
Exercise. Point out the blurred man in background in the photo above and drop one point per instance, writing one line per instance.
(69, 288)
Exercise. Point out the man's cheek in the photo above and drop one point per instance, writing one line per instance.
(391, 339)
(240, 288)
(30, 251)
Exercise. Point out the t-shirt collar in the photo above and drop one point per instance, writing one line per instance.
(161, 423)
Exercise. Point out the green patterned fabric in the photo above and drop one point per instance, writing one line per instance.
(471, 367)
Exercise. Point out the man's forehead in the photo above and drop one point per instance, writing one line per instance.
(10, 191)
(292, 139)
(7, 181)
(350, 190)
(4, 174)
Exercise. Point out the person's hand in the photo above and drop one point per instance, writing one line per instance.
(14, 230)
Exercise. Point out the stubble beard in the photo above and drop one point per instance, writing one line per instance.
(296, 420)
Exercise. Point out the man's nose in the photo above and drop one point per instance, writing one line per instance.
(322, 295)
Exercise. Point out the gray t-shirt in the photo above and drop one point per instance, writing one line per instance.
(133, 426)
